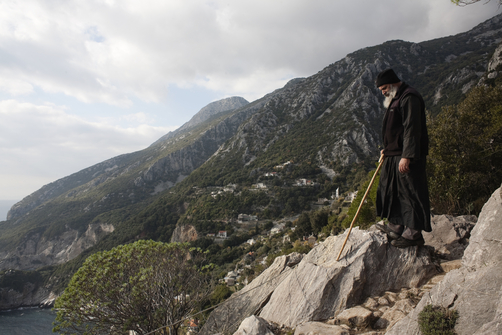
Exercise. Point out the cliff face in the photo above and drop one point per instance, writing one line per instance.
(36, 250)
(182, 162)
(185, 233)
(31, 295)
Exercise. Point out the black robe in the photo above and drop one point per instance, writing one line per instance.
(403, 198)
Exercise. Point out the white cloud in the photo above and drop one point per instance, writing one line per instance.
(115, 51)
(39, 144)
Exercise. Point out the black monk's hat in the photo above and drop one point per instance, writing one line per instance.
(387, 77)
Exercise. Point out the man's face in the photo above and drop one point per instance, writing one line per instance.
(386, 89)
(389, 91)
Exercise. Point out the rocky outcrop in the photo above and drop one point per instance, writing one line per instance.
(254, 325)
(495, 64)
(319, 287)
(474, 290)
(31, 293)
(29, 297)
(36, 250)
(319, 328)
(185, 233)
(370, 290)
(250, 299)
(450, 235)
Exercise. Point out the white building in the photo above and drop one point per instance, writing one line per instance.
(245, 217)
(351, 196)
(281, 166)
(274, 231)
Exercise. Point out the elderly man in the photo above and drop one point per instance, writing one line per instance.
(403, 195)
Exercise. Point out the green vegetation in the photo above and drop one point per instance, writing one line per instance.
(140, 286)
(436, 320)
(466, 152)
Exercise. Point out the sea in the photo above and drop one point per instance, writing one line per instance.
(33, 321)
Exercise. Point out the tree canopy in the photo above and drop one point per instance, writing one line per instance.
(466, 152)
(140, 286)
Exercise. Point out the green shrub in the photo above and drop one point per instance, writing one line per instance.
(436, 320)
(466, 153)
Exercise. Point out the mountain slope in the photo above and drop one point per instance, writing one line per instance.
(206, 113)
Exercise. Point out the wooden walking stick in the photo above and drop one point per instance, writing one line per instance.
(361, 205)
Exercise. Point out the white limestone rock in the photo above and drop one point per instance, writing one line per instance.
(248, 301)
(355, 317)
(320, 287)
(450, 235)
(254, 325)
(474, 290)
(319, 328)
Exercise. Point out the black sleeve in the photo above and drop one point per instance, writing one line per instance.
(411, 106)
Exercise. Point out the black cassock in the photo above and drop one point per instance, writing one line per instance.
(403, 198)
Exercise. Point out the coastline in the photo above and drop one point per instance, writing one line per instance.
(38, 298)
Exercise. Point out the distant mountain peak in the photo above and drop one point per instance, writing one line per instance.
(205, 113)
(214, 108)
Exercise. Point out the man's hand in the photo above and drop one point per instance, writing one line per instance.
(404, 165)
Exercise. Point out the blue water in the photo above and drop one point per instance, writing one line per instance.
(33, 321)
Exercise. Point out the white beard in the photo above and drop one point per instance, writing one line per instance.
(390, 95)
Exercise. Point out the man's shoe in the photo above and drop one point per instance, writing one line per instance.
(390, 233)
(402, 242)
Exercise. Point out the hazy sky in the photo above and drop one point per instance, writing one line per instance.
(82, 81)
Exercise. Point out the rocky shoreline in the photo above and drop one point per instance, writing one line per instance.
(31, 296)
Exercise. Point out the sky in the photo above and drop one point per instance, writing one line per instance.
(82, 81)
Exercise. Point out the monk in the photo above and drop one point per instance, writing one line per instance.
(403, 193)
